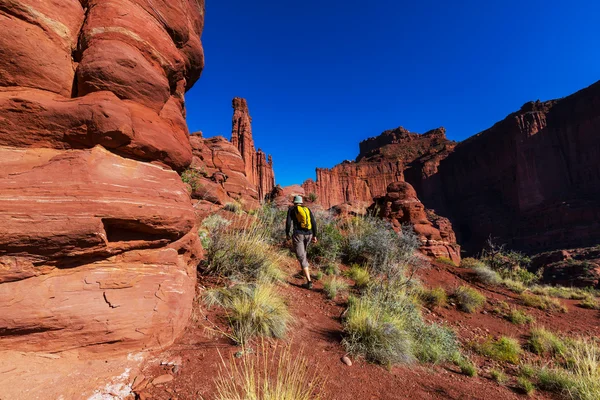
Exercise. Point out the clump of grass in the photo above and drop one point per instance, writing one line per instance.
(504, 349)
(499, 376)
(360, 275)
(435, 297)
(590, 302)
(527, 371)
(234, 207)
(526, 385)
(333, 286)
(560, 292)
(328, 250)
(514, 286)
(469, 299)
(331, 269)
(271, 375)
(467, 367)
(543, 342)
(242, 254)
(519, 317)
(252, 310)
(192, 178)
(445, 260)
(544, 303)
(384, 325)
(312, 197)
(472, 263)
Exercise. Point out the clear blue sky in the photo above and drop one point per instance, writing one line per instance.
(323, 75)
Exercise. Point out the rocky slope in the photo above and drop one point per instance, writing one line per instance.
(98, 245)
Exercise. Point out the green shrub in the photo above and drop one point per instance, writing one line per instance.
(544, 303)
(333, 286)
(504, 349)
(312, 197)
(590, 302)
(487, 276)
(445, 260)
(499, 376)
(526, 386)
(374, 244)
(432, 298)
(192, 178)
(472, 263)
(527, 371)
(560, 291)
(359, 275)
(543, 342)
(242, 254)
(385, 326)
(467, 367)
(272, 221)
(469, 299)
(332, 269)
(329, 247)
(234, 207)
(519, 317)
(514, 286)
(252, 310)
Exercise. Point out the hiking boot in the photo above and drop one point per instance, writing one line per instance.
(308, 285)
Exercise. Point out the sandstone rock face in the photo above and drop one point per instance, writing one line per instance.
(577, 267)
(98, 244)
(258, 167)
(531, 181)
(401, 206)
(382, 160)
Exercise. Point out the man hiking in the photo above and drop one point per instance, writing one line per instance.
(301, 227)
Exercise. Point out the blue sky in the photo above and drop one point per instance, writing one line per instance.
(323, 75)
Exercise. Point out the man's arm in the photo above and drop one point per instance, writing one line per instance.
(288, 224)
(314, 223)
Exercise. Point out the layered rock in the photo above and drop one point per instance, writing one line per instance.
(531, 181)
(258, 167)
(401, 206)
(382, 160)
(98, 247)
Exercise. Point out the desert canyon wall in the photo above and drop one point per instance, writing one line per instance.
(531, 181)
(98, 244)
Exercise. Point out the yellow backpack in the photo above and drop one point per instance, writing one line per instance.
(303, 217)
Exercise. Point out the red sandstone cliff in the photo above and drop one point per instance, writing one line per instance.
(532, 180)
(98, 247)
(382, 160)
(259, 168)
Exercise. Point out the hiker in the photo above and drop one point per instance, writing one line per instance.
(304, 231)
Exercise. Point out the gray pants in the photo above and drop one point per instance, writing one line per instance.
(301, 242)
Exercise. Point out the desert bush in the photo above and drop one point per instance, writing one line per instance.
(359, 275)
(519, 317)
(543, 342)
(526, 385)
(544, 303)
(312, 197)
(332, 269)
(192, 178)
(487, 276)
(252, 310)
(329, 247)
(504, 349)
(445, 260)
(271, 375)
(472, 263)
(435, 297)
(244, 254)
(590, 302)
(469, 299)
(514, 286)
(373, 243)
(272, 221)
(499, 376)
(385, 326)
(333, 286)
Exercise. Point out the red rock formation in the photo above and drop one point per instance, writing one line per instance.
(382, 160)
(98, 247)
(259, 168)
(401, 206)
(531, 181)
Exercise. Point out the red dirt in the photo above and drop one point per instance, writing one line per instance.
(318, 331)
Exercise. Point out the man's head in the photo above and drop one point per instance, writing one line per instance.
(297, 200)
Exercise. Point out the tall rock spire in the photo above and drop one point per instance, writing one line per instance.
(259, 171)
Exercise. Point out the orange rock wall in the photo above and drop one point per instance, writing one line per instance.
(98, 245)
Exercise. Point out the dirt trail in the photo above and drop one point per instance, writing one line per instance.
(317, 332)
